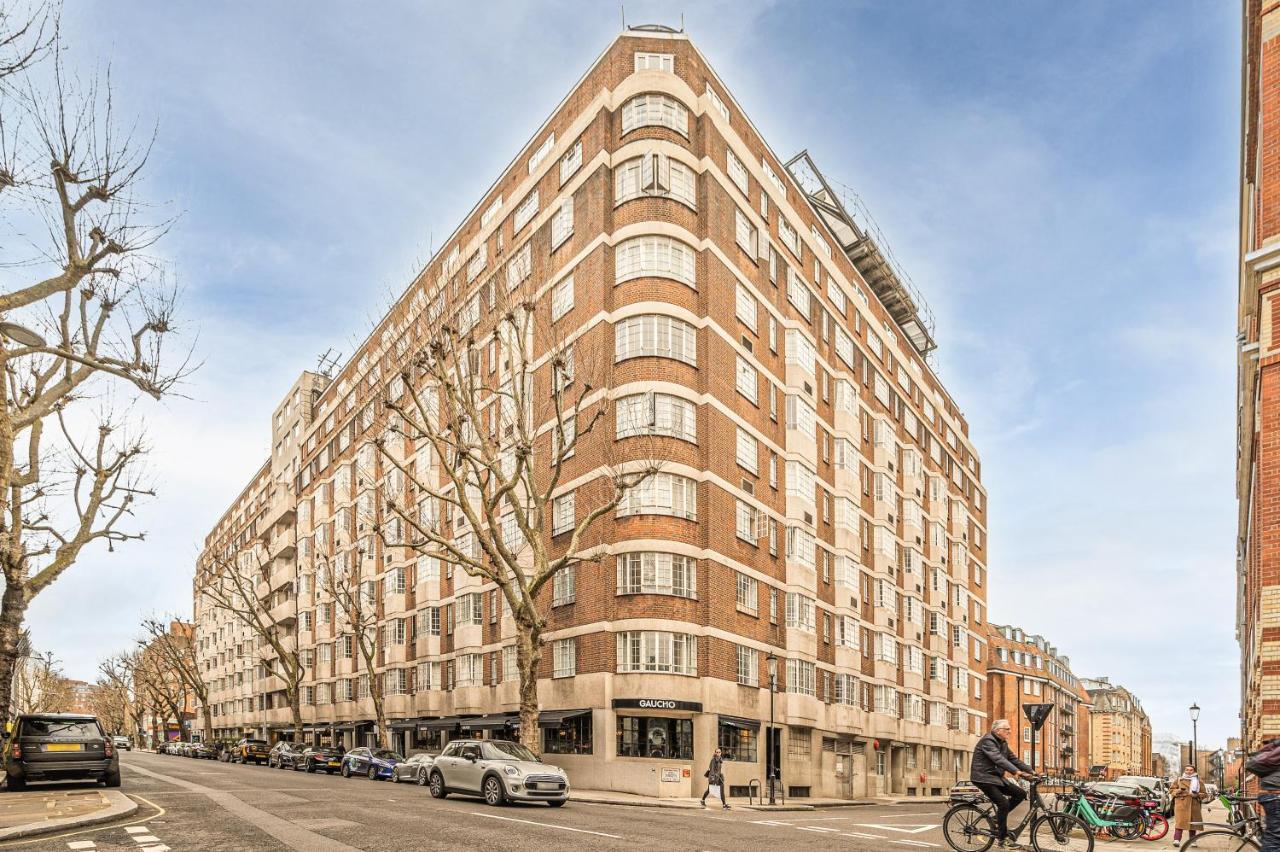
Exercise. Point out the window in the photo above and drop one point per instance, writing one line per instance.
(655, 175)
(798, 294)
(745, 307)
(563, 513)
(662, 494)
(572, 736)
(716, 103)
(541, 154)
(746, 379)
(748, 594)
(651, 573)
(526, 211)
(745, 233)
(802, 352)
(562, 224)
(565, 657)
(477, 263)
(748, 451)
(800, 677)
(656, 336)
(748, 522)
(658, 651)
(655, 62)
(661, 257)
(470, 608)
(561, 298)
(800, 612)
(773, 177)
(653, 109)
(737, 172)
(564, 586)
(491, 212)
(571, 162)
(655, 736)
(656, 414)
(788, 235)
(469, 670)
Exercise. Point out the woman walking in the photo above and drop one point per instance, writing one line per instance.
(715, 780)
(1188, 792)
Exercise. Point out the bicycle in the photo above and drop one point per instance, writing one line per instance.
(971, 827)
(1243, 833)
(1123, 820)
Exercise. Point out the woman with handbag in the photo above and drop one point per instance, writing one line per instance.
(1188, 792)
(715, 780)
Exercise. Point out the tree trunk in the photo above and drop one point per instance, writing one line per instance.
(528, 658)
(13, 609)
(380, 717)
(206, 720)
(295, 711)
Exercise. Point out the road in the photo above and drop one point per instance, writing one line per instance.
(204, 805)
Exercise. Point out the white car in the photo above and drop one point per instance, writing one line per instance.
(499, 770)
(122, 742)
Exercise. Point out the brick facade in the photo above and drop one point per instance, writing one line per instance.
(896, 515)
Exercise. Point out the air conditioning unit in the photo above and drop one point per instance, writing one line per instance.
(748, 486)
(808, 517)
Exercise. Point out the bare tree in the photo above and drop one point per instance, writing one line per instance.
(117, 677)
(25, 37)
(164, 696)
(229, 582)
(488, 490)
(110, 703)
(352, 587)
(38, 684)
(176, 650)
(96, 314)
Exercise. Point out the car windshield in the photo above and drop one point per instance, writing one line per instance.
(387, 754)
(331, 752)
(61, 729)
(255, 742)
(502, 750)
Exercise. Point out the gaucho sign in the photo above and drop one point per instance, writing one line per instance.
(656, 704)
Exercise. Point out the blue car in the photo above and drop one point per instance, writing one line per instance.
(374, 764)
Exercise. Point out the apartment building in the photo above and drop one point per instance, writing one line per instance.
(819, 510)
(1024, 668)
(1119, 730)
(1258, 389)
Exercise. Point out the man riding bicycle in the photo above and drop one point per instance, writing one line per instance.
(992, 758)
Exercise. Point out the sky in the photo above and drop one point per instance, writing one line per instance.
(1058, 179)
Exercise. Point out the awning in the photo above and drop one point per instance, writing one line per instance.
(737, 722)
(402, 723)
(490, 722)
(443, 724)
(555, 718)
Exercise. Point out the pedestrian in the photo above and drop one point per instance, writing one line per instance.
(992, 758)
(715, 780)
(1188, 792)
(1265, 763)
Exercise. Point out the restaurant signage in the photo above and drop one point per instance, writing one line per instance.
(656, 704)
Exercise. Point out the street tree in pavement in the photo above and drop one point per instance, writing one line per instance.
(350, 581)
(117, 682)
(88, 316)
(176, 650)
(498, 405)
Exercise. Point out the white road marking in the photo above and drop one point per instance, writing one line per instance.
(81, 844)
(864, 834)
(915, 843)
(817, 828)
(137, 829)
(913, 829)
(546, 825)
(145, 838)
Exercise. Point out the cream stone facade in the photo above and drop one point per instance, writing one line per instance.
(821, 500)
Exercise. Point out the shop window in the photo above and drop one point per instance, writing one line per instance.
(573, 736)
(737, 741)
(655, 736)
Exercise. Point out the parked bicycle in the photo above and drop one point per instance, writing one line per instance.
(1121, 817)
(1243, 831)
(971, 826)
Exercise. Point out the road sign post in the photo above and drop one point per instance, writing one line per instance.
(1037, 715)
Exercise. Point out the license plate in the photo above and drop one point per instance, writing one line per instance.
(335, 763)
(63, 747)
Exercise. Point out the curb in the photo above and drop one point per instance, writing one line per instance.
(120, 806)
(680, 804)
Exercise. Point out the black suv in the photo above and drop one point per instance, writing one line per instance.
(59, 747)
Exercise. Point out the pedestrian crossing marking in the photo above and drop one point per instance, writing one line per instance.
(817, 828)
(137, 829)
(145, 838)
(81, 844)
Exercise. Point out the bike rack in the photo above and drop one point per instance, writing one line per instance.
(754, 784)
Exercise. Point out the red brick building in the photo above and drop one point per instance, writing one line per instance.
(1258, 392)
(1024, 668)
(820, 499)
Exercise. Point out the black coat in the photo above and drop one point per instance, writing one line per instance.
(1265, 763)
(714, 773)
(992, 758)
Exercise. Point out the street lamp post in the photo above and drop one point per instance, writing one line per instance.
(770, 769)
(1195, 717)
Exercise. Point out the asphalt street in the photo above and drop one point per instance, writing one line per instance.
(204, 805)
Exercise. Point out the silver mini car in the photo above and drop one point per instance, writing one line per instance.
(499, 770)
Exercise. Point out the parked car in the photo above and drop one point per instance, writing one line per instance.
(500, 771)
(250, 750)
(320, 759)
(1158, 786)
(376, 763)
(283, 755)
(964, 792)
(417, 769)
(122, 742)
(202, 751)
(225, 749)
(59, 747)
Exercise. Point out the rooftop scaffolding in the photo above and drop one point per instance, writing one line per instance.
(866, 247)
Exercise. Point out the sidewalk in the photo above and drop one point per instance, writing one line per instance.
(40, 811)
(611, 797)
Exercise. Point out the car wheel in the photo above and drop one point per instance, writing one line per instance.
(422, 780)
(14, 785)
(346, 770)
(494, 794)
(557, 803)
(395, 777)
(372, 774)
(310, 767)
(112, 779)
(438, 790)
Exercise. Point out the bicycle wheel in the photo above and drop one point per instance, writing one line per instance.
(1061, 833)
(968, 828)
(1157, 827)
(1219, 840)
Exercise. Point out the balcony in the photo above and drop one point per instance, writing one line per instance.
(283, 544)
(285, 612)
(282, 507)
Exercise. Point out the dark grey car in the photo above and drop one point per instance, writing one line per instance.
(59, 747)
(415, 770)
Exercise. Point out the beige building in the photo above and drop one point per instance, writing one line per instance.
(1120, 732)
(841, 531)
